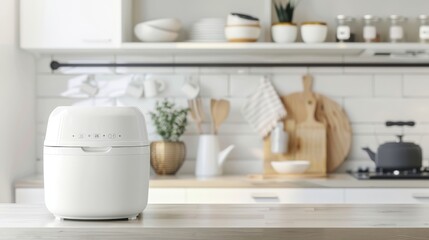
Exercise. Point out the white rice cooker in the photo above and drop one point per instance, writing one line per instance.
(96, 163)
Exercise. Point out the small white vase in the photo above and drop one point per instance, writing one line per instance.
(284, 32)
(314, 32)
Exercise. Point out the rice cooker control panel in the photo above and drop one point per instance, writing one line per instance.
(97, 136)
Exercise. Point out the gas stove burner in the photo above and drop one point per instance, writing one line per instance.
(367, 174)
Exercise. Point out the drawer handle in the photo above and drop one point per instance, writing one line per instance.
(421, 195)
(264, 196)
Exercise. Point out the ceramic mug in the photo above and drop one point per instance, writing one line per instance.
(152, 87)
(135, 87)
(191, 89)
(89, 86)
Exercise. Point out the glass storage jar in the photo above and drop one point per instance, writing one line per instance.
(424, 29)
(345, 29)
(396, 30)
(370, 30)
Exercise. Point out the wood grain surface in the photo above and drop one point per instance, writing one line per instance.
(302, 222)
(338, 128)
(311, 137)
(338, 180)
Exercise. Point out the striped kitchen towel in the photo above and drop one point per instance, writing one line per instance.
(263, 109)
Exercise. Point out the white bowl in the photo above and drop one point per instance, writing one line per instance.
(169, 24)
(148, 33)
(236, 20)
(291, 167)
(242, 33)
(284, 33)
(314, 32)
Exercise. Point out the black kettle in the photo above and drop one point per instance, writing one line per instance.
(398, 155)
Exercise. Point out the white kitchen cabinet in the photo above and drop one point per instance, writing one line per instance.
(387, 196)
(29, 195)
(263, 195)
(167, 196)
(50, 24)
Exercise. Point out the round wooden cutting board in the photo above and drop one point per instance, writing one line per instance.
(339, 131)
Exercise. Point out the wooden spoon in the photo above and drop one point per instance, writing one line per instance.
(212, 114)
(221, 113)
(195, 114)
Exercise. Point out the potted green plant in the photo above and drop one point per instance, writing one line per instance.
(168, 155)
(285, 31)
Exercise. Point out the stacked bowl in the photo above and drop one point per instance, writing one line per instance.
(242, 28)
(159, 30)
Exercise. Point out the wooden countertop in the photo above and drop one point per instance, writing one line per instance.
(189, 181)
(352, 222)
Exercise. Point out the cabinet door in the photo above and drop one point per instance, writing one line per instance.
(167, 196)
(387, 195)
(259, 195)
(65, 23)
(29, 195)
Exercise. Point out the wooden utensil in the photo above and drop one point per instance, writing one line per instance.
(221, 113)
(200, 109)
(195, 114)
(311, 136)
(332, 115)
(212, 114)
(339, 133)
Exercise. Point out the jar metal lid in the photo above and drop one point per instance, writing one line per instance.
(370, 18)
(395, 17)
(423, 17)
(344, 17)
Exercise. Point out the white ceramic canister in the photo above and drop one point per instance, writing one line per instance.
(284, 32)
(314, 32)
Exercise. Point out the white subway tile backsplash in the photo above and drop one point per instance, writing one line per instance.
(287, 83)
(231, 166)
(144, 59)
(386, 70)
(343, 85)
(416, 85)
(246, 146)
(52, 85)
(388, 85)
(231, 70)
(243, 85)
(364, 110)
(215, 86)
(370, 96)
(84, 59)
(46, 105)
(275, 70)
(337, 70)
(186, 70)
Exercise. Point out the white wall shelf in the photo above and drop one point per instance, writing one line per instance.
(412, 50)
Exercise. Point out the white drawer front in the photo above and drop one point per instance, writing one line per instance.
(387, 195)
(270, 195)
(30, 195)
(167, 196)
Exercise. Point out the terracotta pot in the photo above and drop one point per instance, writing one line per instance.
(167, 157)
(284, 32)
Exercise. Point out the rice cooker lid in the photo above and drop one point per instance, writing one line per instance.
(96, 127)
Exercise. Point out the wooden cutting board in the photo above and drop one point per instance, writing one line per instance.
(311, 138)
(339, 132)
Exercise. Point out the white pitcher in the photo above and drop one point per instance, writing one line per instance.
(209, 157)
(152, 87)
